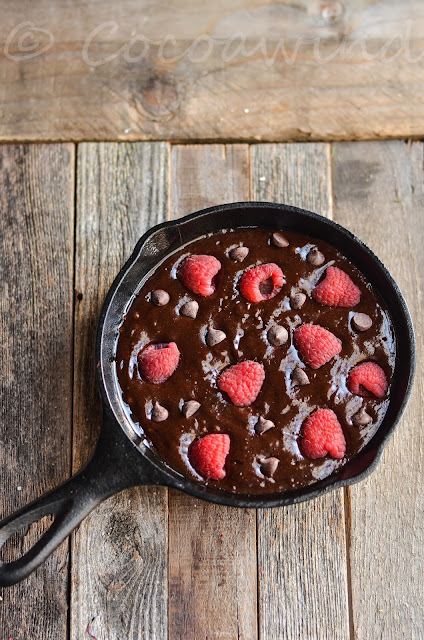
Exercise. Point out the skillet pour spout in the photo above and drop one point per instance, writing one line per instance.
(122, 459)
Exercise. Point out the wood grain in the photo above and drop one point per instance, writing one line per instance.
(36, 249)
(302, 560)
(186, 70)
(212, 549)
(203, 176)
(379, 195)
(119, 572)
(119, 554)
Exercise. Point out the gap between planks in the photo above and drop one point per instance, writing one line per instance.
(71, 469)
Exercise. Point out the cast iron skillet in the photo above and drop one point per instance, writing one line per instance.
(121, 459)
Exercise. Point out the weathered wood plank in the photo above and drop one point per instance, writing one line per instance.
(119, 577)
(36, 249)
(212, 549)
(379, 195)
(302, 561)
(203, 176)
(235, 70)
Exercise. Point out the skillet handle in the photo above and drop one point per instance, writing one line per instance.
(114, 465)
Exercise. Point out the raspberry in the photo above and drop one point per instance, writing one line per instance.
(337, 289)
(322, 433)
(242, 382)
(316, 344)
(158, 361)
(262, 283)
(367, 379)
(198, 272)
(208, 455)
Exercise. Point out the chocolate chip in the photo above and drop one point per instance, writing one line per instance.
(278, 240)
(277, 335)
(269, 466)
(190, 309)
(297, 300)
(159, 413)
(159, 297)
(315, 257)
(263, 425)
(299, 377)
(239, 253)
(215, 336)
(190, 407)
(362, 418)
(361, 322)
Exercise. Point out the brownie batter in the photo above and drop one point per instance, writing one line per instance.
(281, 400)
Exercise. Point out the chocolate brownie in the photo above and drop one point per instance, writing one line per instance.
(256, 336)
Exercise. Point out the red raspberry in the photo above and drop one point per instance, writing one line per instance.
(262, 283)
(158, 361)
(321, 434)
(337, 289)
(198, 272)
(242, 382)
(367, 379)
(316, 344)
(208, 455)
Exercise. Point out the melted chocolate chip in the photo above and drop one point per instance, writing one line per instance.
(277, 335)
(315, 257)
(361, 322)
(278, 240)
(214, 336)
(190, 407)
(190, 309)
(159, 413)
(269, 466)
(159, 297)
(239, 253)
(297, 300)
(362, 418)
(263, 425)
(299, 377)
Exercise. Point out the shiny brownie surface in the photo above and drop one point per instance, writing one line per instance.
(246, 325)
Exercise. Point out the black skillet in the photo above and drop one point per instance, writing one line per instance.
(121, 459)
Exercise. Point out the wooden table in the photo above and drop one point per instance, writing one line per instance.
(150, 563)
(250, 70)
